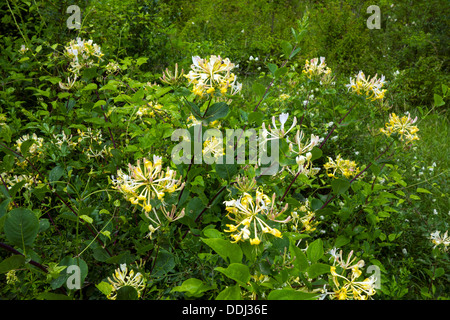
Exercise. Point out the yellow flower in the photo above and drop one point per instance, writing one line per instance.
(402, 126)
(347, 168)
(249, 213)
(207, 75)
(318, 71)
(439, 240)
(372, 88)
(146, 181)
(122, 278)
(350, 289)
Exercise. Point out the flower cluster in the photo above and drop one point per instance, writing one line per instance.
(213, 146)
(156, 223)
(319, 71)
(371, 87)
(145, 182)
(172, 78)
(122, 278)
(36, 147)
(70, 83)
(402, 126)
(248, 215)
(439, 240)
(274, 132)
(305, 217)
(149, 109)
(112, 67)
(12, 180)
(347, 168)
(349, 288)
(81, 53)
(209, 75)
(63, 139)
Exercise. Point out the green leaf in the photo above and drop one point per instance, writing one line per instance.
(86, 218)
(340, 186)
(256, 117)
(193, 287)
(11, 263)
(141, 60)
(90, 86)
(317, 269)
(217, 111)
(236, 271)
(439, 272)
(316, 153)
(272, 67)
(21, 227)
(438, 101)
(287, 48)
(281, 72)
(230, 293)
(291, 294)
(55, 174)
(127, 293)
(341, 241)
(226, 171)
(422, 190)
(315, 250)
(259, 89)
(230, 252)
(104, 287)
(300, 262)
(165, 262)
(414, 197)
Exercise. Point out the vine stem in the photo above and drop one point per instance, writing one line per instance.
(32, 262)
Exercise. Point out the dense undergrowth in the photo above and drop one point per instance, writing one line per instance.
(345, 198)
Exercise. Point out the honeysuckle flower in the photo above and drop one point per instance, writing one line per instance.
(23, 49)
(303, 148)
(36, 148)
(28, 180)
(402, 126)
(63, 138)
(347, 168)
(371, 87)
(172, 78)
(439, 240)
(349, 288)
(244, 184)
(112, 67)
(70, 83)
(146, 182)
(213, 146)
(122, 277)
(303, 219)
(81, 52)
(209, 75)
(276, 133)
(319, 71)
(248, 214)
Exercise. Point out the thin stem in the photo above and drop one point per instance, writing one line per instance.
(32, 262)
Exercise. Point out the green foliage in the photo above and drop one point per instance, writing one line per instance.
(66, 142)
